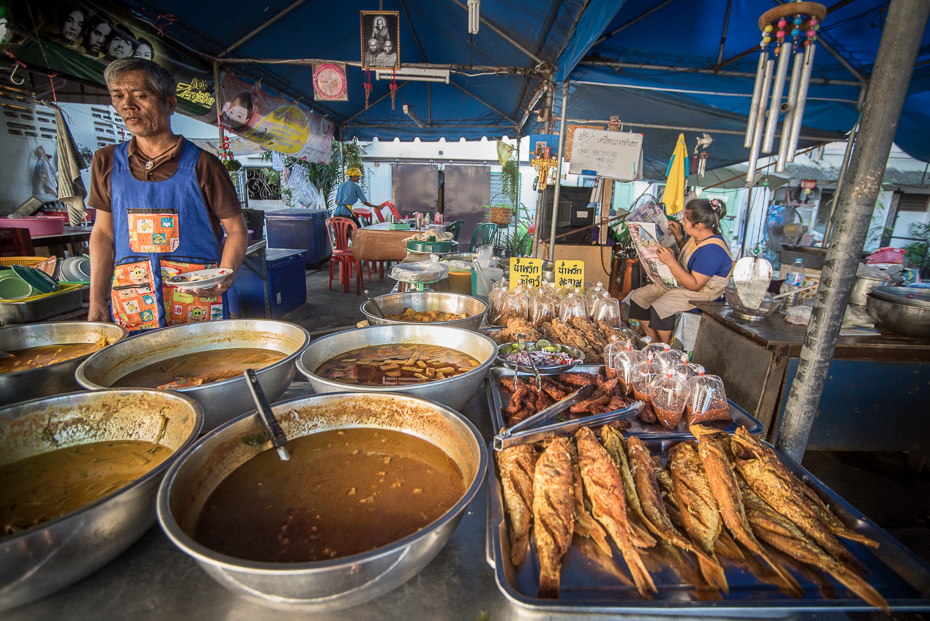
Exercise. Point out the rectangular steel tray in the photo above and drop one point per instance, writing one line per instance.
(739, 417)
(31, 311)
(898, 574)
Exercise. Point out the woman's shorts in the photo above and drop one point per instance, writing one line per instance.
(649, 314)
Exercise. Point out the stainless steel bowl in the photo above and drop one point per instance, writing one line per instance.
(54, 379)
(49, 557)
(426, 301)
(898, 317)
(861, 286)
(326, 585)
(909, 296)
(453, 391)
(221, 401)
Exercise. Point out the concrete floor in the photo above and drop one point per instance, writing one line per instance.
(880, 485)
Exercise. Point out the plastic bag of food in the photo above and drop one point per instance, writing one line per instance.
(644, 374)
(656, 348)
(593, 294)
(707, 400)
(421, 271)
(671, 359)
(542, 309)
(623, 363)
(606, 309)
(669, 396)
(573, 306)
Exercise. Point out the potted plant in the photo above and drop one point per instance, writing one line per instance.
(500, 214)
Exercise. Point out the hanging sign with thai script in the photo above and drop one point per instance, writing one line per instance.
(569, 274)
(527, 271)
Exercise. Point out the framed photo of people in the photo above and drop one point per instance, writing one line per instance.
(380, 42)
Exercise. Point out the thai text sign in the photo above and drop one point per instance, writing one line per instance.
(527, 271)
(569, 274)
(615, 155)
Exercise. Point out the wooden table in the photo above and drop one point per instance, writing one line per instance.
(378, 243)
(875, 397)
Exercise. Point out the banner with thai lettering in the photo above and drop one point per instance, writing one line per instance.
(525, 271)
(79, 40)
(275, 123)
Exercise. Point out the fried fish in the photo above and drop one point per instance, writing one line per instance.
(585, 525)
(553, 513)
(604, 488)
(616, 448)
(517, 467)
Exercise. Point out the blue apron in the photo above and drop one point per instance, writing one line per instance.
(160, 229)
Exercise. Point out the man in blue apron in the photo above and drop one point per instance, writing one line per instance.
(349, 193)
(161, 202)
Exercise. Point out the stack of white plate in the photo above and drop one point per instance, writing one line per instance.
(74, 269)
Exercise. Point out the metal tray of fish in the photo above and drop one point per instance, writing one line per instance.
(500, 399)
(592, 582)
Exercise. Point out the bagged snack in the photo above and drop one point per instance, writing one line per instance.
(606, 309)
(643, 374)
(669, 395)
(707, 400)
(573, 306)
(623, 363)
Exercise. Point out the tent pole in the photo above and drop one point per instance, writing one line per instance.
(260, 28)
(682, 69)
(558, 171)
(850, 143)
(723, 36)
(742, 246)
(894, 65)
(218, 104)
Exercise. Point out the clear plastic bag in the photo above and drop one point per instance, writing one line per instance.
(671, 359)
(707, 400)
(543, 309)
(669, 395)
(656, 348)
(607, 309)
(593, 294)
(644, 374)
(572, 306)
(421, 271)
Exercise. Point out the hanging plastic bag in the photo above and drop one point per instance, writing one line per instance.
(707, 400)
(669, 395)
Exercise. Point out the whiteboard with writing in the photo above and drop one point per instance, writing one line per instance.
(615, 155)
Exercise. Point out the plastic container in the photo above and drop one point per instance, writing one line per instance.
(707, 400)
(303, 229)
(669, 395)
(287, 285)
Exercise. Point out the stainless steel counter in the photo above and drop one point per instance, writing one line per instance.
(154, 581)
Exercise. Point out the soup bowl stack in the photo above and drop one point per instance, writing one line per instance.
(41, 560)
(453, 391)
(331, 584)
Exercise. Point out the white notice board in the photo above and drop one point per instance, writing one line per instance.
(615, 155)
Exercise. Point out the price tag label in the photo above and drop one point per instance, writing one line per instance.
(528, 271)
(569, 274)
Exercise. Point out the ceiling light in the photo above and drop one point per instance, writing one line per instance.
(415, 75)
(408, 110)
(474, 20)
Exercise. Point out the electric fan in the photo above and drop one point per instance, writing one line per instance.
(783, 226)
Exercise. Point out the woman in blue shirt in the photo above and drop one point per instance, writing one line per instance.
(702, 269)
(349, 193)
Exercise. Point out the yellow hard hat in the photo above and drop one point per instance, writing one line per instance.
(353, 172)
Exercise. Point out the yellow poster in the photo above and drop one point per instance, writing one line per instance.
(569, 274)
(527, 271)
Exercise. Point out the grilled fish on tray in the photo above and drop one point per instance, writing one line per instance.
(616, 490)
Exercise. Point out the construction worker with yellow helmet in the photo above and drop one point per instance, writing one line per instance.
(350, 193)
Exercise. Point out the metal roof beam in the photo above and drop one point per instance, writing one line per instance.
(862, 79)
(376, 101)
(475, 97)
(633, 21)
(260, 28)
(723, 36)
(416, 39)
(710, 130)
(504, 35)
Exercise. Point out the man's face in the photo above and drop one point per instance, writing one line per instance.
(119, 48)
(73, 26)
(143, 111)
(387, 47)
(143, 51)
(373, 46)
(355, 178)
(97, 37)
(237, 115)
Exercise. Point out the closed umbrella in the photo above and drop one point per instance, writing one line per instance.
(674, 195)
(71, 190)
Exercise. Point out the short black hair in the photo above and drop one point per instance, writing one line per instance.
(159, 78)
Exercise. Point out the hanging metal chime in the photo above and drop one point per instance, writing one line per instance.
(803, 19)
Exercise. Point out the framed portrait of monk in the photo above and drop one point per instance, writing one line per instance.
(380, 39)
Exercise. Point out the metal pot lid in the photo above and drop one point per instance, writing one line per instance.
(908, 296)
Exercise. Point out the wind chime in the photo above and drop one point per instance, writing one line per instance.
(789, 29)
(543, 162)
(699, 162)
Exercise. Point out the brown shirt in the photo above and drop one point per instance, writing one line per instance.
(217, 189)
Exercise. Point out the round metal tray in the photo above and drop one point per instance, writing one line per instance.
(433, 247)
(562, 368)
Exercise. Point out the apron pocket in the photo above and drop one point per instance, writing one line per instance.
(182, 307)
(132, 298)
(153, 231)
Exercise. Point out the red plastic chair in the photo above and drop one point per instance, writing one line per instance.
(394, 211)
(339, 231)
(364, 215)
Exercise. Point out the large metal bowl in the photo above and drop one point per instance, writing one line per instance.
(326, 585)
(898, 317)
(54, 379)
(221, 401)
(397, 303)
(453, 391)
(49, 557)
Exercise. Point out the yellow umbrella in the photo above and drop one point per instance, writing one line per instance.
(674, 195)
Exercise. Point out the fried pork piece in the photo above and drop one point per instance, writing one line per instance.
(517, 467)
(698, 508)
(772, 481)
(578, 379)
(616, 448)
(781, 533)
(604, 488)
(553, 513)
(653, 507)
(607, 331)
(725, 488)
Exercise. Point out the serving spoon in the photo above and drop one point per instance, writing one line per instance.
(375, 305)
(278, 439)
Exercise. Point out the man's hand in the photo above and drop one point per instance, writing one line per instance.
(216, 290)
(96, 313)
(666, 255)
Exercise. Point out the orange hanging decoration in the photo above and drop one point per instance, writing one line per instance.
(393, 87)
(367, 86)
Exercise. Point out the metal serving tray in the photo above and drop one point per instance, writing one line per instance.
(69, 298)
(499, 399)
(586, 586)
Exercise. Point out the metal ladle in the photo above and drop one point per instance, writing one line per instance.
(278, 439)
(375, 305)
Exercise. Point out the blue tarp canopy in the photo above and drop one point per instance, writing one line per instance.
(652, 51)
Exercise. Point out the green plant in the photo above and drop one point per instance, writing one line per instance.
(915, 252)
(510, 182)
